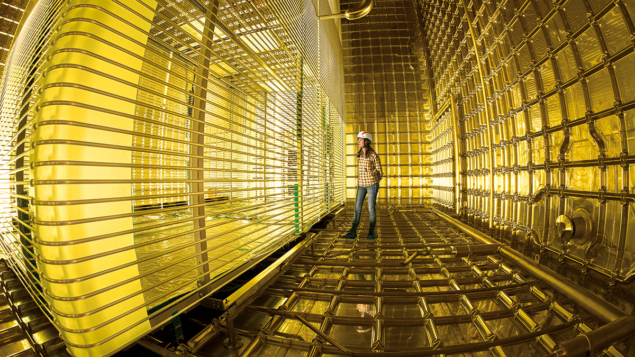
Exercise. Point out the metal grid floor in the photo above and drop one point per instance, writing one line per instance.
(421, 288)
(24, 329)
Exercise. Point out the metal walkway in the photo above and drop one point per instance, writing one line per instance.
(422, 288)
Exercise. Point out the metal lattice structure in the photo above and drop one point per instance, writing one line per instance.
(386, 96)
(425, 287)
(153, 150)
(534, 121)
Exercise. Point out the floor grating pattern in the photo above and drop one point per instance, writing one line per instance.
(420, 288)
(24, 329)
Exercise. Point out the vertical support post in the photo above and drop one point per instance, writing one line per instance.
(458, 160)
(491, 161)
(197, 162)
(326, 162)
(232, 342)
(265, 192)
(298, 186)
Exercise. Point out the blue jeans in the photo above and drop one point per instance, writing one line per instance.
(359, 201)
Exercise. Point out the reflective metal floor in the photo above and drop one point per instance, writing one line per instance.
(24, 330)
(421, 288)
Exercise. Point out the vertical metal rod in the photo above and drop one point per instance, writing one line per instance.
(621, 245)
(299, 194)
(230, 330)
(264, 125)
(458, 159)
(197, 162)
(490, 157)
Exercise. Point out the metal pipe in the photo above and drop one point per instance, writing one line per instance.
(474, 233)
(202, 337)
(598, 339)
(175, 140)
(323, 335)
(149, 197)
(234, 343)
(352, 14)
(134, 214)
(139, 230)
(156, 348)
(617, 324)
(410, 258)
(140, 150)
(594, 306)
(408, 293)
(66, 281)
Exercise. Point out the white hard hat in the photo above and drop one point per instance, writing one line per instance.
(365, 135)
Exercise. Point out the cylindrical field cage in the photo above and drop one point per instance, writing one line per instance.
(152, 148)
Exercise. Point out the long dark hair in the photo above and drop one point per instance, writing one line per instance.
(360, 153)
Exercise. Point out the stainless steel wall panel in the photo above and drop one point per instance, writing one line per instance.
(543, 98)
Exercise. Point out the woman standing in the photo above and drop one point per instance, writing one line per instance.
(368, 177)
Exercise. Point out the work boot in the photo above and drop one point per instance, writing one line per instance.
(350, 235)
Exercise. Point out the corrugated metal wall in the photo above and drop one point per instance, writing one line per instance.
(386, 96)
(534, 123)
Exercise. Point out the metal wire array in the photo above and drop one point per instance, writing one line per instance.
(154, 149)
(541, 111)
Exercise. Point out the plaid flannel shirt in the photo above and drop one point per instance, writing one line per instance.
(369, 170)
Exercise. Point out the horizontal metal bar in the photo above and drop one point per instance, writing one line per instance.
(428, 351)
(405, 293)
(237, 300)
